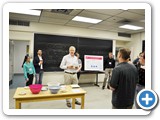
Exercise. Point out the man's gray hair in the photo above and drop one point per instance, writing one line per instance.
(72, 47)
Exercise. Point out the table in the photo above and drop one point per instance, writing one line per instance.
(93, 72)
(68, 93)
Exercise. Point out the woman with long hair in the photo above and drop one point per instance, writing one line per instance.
(28, 69)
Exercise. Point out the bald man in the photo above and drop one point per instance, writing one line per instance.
(39, 64)
(70, 65)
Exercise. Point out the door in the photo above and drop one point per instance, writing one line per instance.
(21, 48)
(11, 59)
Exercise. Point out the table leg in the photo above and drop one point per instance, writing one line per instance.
(82, 102)
(96, 84)
(18, 105)
(73, 103)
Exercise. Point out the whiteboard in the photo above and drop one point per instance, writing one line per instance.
(93, 63)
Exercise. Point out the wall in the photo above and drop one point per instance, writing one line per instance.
(27, 33)
(136, 44)
(66, 30)
(120, 43)
(19, 53)
(11, 60)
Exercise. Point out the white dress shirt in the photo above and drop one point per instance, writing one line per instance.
(68, 60)
(41, 65)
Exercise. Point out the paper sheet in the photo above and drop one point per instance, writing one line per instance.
(76, 90)
(75, 86)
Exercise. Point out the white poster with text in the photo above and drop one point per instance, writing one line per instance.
(93, 63)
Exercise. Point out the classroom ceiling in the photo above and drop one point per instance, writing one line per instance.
(111, 18)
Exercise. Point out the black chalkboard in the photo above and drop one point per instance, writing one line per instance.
(143, 45)
(54, 47)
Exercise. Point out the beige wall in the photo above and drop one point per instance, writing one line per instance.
(66, 30)
(136, 44)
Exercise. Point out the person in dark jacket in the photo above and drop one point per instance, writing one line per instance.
(136, 61)
(123, 82)
(39, 64)
(109, 65)
(141, 76)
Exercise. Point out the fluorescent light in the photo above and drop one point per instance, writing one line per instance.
(131, 27)
(86, 19)
(124, 9)
(27, 12)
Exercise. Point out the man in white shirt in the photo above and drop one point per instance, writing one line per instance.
(70, 65)
(38, 64)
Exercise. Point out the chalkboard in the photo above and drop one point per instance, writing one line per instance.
(143, 45)
(88, 46)
(54, 47)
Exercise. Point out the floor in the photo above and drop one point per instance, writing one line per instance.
(96, 98)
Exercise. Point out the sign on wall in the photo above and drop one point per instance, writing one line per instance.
(93, 63)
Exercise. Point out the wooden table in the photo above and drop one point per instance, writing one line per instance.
(46, 96)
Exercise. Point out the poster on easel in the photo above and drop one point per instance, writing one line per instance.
(93, 63)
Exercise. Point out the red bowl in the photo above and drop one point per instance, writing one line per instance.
(35, 88)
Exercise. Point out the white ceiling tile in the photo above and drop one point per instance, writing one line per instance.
(141, 24)
(114, 19)
(75, 12)
(111, 12)
(89, 14)
(138, 11)
(107, 23)
(130, 15)
(23, 17)
(56, 15)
